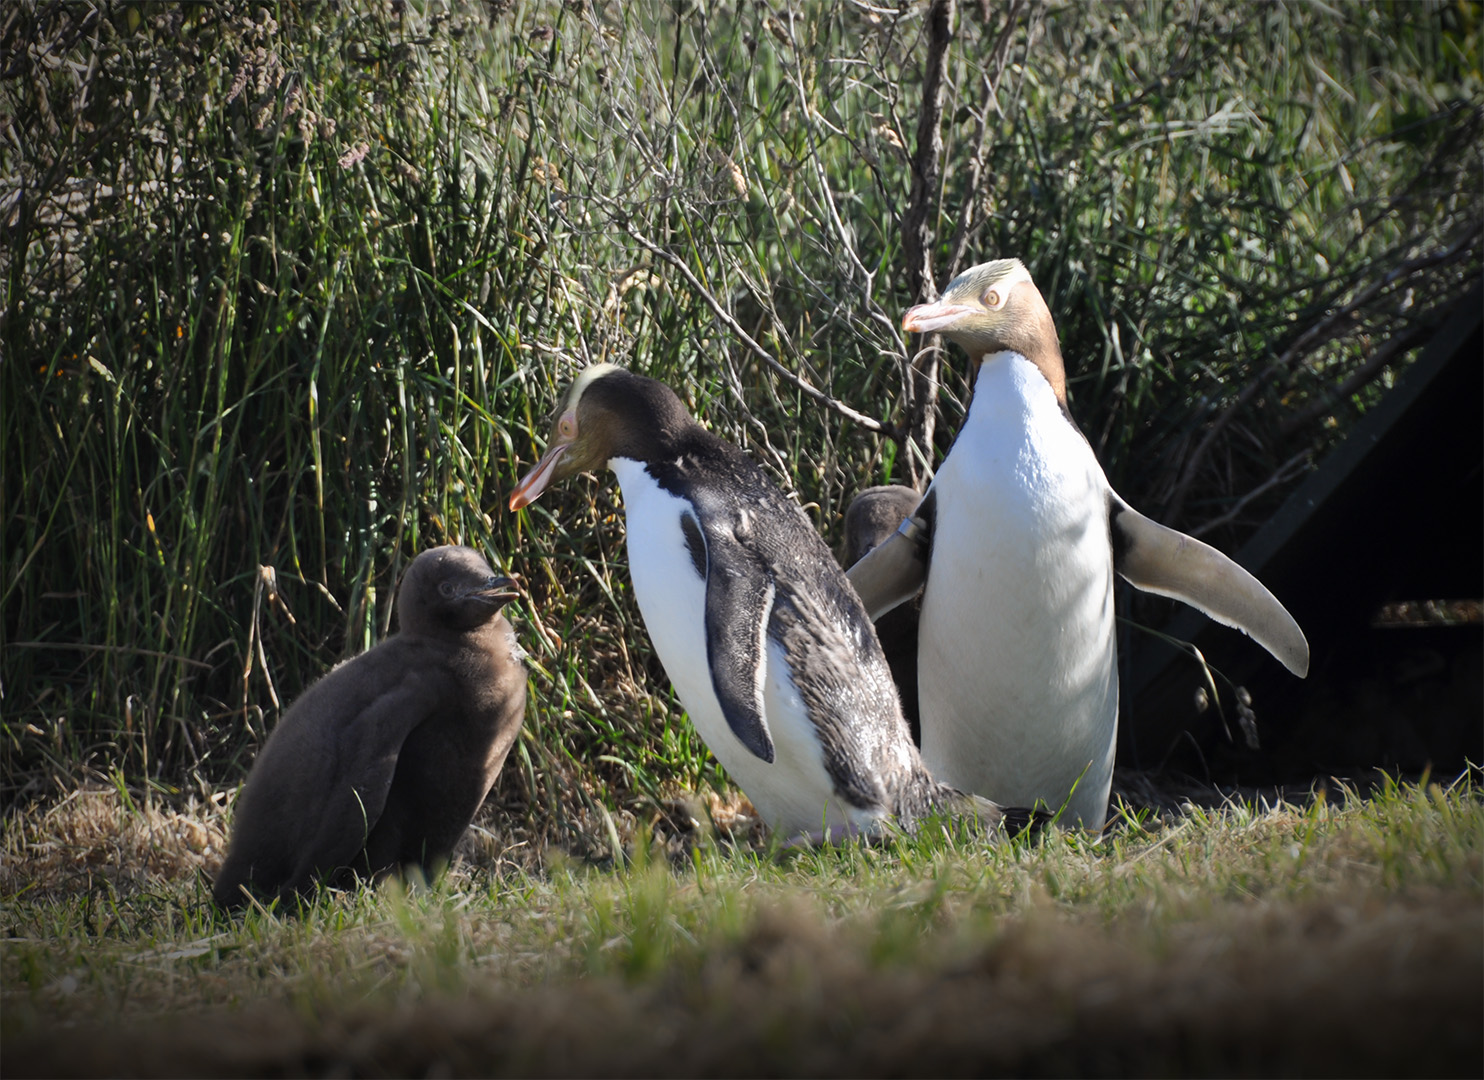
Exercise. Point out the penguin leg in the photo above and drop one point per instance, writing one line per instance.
(826, 837)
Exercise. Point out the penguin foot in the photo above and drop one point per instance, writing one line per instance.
(825, 837)
(1019, 821)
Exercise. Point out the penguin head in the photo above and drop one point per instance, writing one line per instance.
(607, 412)
(995, 307)
(874, 514)
(451, 588)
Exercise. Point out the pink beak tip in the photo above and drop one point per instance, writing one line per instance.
(534, 482)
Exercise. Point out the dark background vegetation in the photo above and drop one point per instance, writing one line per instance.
(289, 291)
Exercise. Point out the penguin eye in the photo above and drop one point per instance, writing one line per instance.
(567, 426)
(446, 588)
(994, 299)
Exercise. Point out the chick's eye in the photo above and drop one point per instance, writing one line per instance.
(446, 588)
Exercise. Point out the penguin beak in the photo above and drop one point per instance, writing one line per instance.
(500, 590)
(534, 482)
(925, 318)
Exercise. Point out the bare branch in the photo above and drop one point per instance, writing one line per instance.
(1397, 346)
(805, 387)
(917, 223)
(1294, 466)
(920, 374)
(990, 87)
(1338, 324)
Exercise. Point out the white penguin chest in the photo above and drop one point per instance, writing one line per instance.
(1016, 651)
(793, 793)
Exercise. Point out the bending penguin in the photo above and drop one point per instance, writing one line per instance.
(873, 515)
(765, 642)
(381, 764)
(1018, 537)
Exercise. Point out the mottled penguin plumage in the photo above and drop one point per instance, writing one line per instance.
(381, 764)
(766, 643)
(1017, 658)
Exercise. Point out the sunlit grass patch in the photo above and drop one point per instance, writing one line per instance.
(1180, 943)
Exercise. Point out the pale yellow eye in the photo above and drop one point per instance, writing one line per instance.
(567, 426)
(993, 298)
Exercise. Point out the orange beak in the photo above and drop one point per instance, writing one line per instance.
(534, 482)
(925, 318)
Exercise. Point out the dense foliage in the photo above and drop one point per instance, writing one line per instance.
(290, 289)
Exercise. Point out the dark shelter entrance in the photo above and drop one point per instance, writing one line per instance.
(1379, 555)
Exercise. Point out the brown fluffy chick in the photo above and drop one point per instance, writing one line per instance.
(380, 765)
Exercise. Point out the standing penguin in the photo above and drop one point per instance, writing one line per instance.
(381, 764)
(1016, 658)
(765, 642)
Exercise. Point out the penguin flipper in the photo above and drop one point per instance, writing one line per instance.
(892, 572)
(370, 746)
(739, 606)
(1160, 560)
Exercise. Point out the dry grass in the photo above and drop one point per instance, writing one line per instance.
(101, 835)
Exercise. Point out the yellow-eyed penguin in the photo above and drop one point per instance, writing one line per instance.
(1017, 671)
(381, 764)
(766, 644)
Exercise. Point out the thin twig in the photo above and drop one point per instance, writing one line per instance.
(1337, 324)
(990, 85)
(1286, 472)
(85, 647)
(801, 384)
(920, 375)
(1403, 342)
(821, 179)
(927, 161)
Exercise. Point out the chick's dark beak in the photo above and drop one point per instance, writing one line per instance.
(499, 590)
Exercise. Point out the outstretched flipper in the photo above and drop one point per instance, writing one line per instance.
(891, 573)
(1160, 560)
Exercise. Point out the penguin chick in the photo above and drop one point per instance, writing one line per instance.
(872, 517)
(1017, 663)
(381, 764)
(766, 643)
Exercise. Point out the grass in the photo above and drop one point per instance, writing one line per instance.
(289, 290)
(1325, 936)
